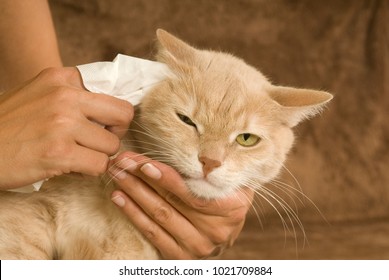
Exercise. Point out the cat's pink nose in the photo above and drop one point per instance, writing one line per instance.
(209, 164)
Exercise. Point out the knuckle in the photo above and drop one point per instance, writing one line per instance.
(57, 75)
(62, 100)
(173, 199)
(203, 251)
(239, 216)
(51, 73)
(220, 236)
(61, 121)
(162, 215)
(217, 251)
(57, 149)
(151, 233)
(63, 94)
(199, 203)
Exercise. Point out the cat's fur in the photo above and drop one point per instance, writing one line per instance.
(190, 121)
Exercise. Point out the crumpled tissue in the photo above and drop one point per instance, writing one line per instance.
(126, 77)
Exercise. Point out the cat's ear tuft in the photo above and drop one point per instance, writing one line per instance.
(298, 104)
(173, 51)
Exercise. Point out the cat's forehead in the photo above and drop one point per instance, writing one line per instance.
(224, 104)
(222, 91)
(224, 65)
(223, 79)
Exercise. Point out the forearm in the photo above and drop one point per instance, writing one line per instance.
(28, 41)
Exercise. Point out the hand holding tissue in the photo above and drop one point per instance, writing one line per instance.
(128, 78)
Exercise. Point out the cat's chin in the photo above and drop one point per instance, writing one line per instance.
(205, 189)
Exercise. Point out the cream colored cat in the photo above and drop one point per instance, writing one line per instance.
(218, 121)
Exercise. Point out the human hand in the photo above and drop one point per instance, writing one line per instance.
(51, 125)
(156, 200)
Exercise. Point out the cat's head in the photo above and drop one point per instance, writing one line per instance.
(219, 121)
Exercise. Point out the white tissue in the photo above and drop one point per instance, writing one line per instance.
(126, 77)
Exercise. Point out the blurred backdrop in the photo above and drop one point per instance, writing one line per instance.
(341, 158)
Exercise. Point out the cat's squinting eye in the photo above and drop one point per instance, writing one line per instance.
(186, 120)
(247, 139)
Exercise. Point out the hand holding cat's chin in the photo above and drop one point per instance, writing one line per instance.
(156, 199)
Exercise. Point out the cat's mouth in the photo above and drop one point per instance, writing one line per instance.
(204, 187)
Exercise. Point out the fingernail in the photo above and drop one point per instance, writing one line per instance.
(151, 171)
(127, 164)
(118, 200)
(117, 173)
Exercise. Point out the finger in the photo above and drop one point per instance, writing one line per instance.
(158, 237)
(163, 176)
(95, 137)
(162, 213)
(199, 222)
(100, 106)
(114, 113)
(174, 233)
(169, 181)
(220, 220)
(83, 160)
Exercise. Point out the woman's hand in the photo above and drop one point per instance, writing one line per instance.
(156, 200)
(51, 125)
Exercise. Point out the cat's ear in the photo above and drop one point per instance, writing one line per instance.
(298, 104)
(173, 51)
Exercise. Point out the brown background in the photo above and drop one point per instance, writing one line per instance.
(340, 158)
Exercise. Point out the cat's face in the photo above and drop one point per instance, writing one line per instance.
(218, 121)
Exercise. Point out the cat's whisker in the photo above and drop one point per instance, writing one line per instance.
(288, 190)
(167, 147)
(147, 132)
(149, 148)
(151, 136)
(263, 196)
(108, 177)
(269, 195)
(164, 147)
(290, 194)
(293, 177)
(302, 194)
(164, 155)
(258, 215)
(262, 192)
(253, 204)
(287, 228)
(258, 205)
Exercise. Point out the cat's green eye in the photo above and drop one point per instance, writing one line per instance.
(186, 120)
(247, 139)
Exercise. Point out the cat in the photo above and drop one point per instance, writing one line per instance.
(217, 120)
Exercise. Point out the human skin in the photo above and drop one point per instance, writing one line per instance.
(28, 42)
(49, 126)
(47, 120)
(180, 225)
